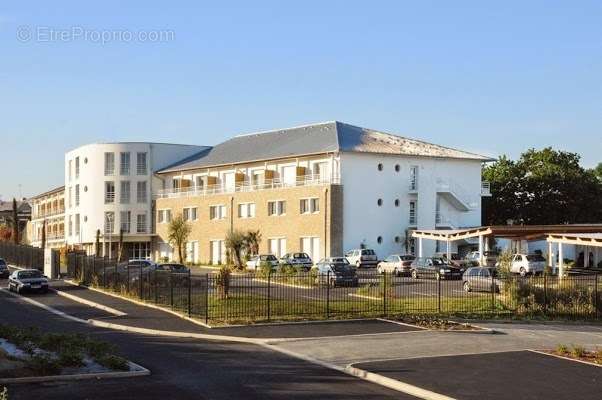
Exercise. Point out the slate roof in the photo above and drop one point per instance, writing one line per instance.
(318, 138)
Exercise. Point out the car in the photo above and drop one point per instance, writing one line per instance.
(362, 258)
(297, 260)
(28, 280)
(481, 279)
(474, 258)
(524, 264)
(434, 267)
(455, 259)
(397, 264)
(336, 271)
(4, 272)
(172, 267)
(255, 262)
(136, 263)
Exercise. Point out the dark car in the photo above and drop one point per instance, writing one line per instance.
(296, 260)
(336, 271)
(4, 272)
(483, 279)
(172, 267)
(435, 267)
(28, 280)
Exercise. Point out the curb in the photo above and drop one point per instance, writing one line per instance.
(89, 303)
(566, 358)
(140, 371)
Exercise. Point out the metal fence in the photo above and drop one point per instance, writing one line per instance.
(22, 255)
(247, 298)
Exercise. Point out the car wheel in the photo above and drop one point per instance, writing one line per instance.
(414, 274)
(522, 272)
(467, 287)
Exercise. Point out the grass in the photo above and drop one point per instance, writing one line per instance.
(578, 352)
(562, 349)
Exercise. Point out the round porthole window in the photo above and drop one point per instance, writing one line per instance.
(396, 202)
(379, 202)
(86, 160)
(85, 218)
(397, 167)
(379, 239)
(397, 239)
(380, 167)
(85, 188)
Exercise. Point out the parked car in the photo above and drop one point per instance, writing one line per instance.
(524, 264)
(481, 279)
(362, 258)
(28, 280)
(136, 263)
(396, 264)
(455, 259)
(172, 267)
(4, 272)
(255, 261)
(297, 260)
(336, 271)
(433, 267)
(474, 258)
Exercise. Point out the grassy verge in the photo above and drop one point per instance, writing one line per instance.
(578, 352)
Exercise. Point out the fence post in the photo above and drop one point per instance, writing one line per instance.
(189, 293)
(140, 295)
(596, 311)
(269, 293)
(439, 295)
(384, 293)
(155, 285)
(171, 289)
(127, 286)
(328, 295)
(545, 293)
(492, 293)
(104, 275)
(207, 301)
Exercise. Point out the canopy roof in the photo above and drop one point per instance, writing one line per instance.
(524, 232)
(585, 239)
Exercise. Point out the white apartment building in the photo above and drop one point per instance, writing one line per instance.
(109, 187)
(47, 213)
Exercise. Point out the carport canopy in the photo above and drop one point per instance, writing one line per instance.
(450, 235)
(582, 239)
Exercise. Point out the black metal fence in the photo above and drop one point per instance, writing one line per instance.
(22, 255)
(262, 297)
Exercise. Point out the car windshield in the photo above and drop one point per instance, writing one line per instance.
(407, 258)
(438, 261)
(341, 268)
(29, 274)
(300, 255)
(367, 252)
(535, 257)
(268, 258)
(339, 261)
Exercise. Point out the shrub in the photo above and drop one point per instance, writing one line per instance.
(43, 364)
(223, 281)
(264, 270)
(578, 351)
(71, 358)
(286, 269)
(562, 349)
(113, 362)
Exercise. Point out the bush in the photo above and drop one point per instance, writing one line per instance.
(287, 270)
(562, 349)
(264, 270)
(113, 362)
(578, 351)
(223, 281)
(43, 364)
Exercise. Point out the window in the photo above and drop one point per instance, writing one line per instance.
(379, 239)
(246, 210)
(125, 221)
(76, 195)
(77, 225)
(70, 197)
(109, 164)
(397, 167)
(190, 213)
(70, 225)
(124, 193)
(217, 212)
(141, 250)
(141, 223)
(397, 239)
(277, 246)
(141, 191)
(109, 192)
(309, 206)
(124, 165)
(141, 163)
(109, 222)
(192, 252)
(413, 219)
(70, 171)
(396, 202)
(380, 167)
(414, 177)
(76, 167)
(379, 202)
(277, 207)
(164, 216)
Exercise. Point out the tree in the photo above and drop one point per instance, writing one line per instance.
(15, 222)
(598, 171)
(5, 233)
(252, 240)
(177, 234)
(120, 246)
(542, 187)
(44, 234)
(97, 243)
(236, 243)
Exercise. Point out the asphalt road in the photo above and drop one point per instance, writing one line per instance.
(190, 369)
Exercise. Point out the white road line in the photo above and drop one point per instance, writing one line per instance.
(89, 303)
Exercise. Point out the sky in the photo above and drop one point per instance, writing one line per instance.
(489, 77)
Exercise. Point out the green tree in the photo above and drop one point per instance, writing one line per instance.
(598, 171)
(543, 187)
(15, 222)
(252, 241)
(236, 243)
(177, 234)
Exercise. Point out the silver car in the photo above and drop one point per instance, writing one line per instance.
(481, 279)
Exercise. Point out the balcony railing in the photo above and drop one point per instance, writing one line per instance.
(485, 188)
(305, 180)
(443, 220)
(50, 213)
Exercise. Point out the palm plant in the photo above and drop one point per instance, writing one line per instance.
(177, 234)
(252, 240)
(236, 243)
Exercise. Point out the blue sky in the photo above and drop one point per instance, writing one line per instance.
(490, 78)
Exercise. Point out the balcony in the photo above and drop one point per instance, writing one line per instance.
(486, 189)
(443, 220)
(268, 184)
(457, 195)
(47, 214)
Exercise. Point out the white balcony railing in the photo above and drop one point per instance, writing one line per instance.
(485, 188)
(305, 180)
(443, 220)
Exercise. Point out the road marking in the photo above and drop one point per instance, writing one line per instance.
(401, 323)
(89, 303)
(566, 358)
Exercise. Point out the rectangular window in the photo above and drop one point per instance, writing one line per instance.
(190, 213)
(109, 192)
(141, 223)
(276, 207)
(109, 164)
(192, 252)
(124, 192)
(70, 197)
(124, 165)
(141, 191)
(309, 206)
(76, 195)
(246, 210)
(413, 219)
(217, 212)
(125, 221)
(109, 222)
(277, 246)
(76, 167)
(304, 206)
(70, 225)
(77, 227)
(141, 166)
(164, 216)
(315, 205)
(70, 170)
(414, 177)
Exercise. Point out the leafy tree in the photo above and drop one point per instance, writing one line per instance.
(542, 187)
(598, 171)
(15, 222)
(252, 240)
(236, 242)
(177, 234)
(5, 233)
